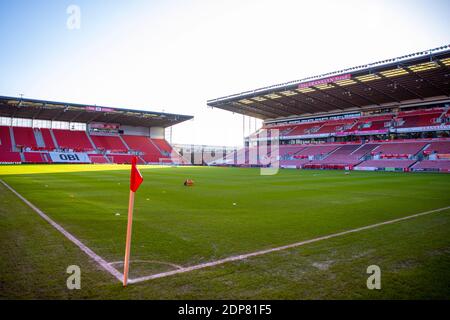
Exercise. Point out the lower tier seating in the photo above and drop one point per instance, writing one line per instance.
(9, 157)
(398, 164)
(37, 157)
(145, 145)
(441, 165)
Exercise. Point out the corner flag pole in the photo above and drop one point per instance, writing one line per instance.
(135, 181)
(126, 263)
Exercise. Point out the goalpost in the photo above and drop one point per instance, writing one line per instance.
(98, 159)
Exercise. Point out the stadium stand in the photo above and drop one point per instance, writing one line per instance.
(98, 158)
(385, 164)
(24, 138)
(48, 139)
(432, 165)
(399, 149)
(342, 156)
(6, 154)
(111, 143)
(74, 140)
(442, 147)
(37, 157)
(146, 146)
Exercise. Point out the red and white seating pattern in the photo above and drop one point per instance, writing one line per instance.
(23, 146)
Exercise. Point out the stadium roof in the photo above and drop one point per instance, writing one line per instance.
(417, 77)
(72, 112)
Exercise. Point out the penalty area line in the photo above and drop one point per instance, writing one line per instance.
(289, 246)
(99, 260)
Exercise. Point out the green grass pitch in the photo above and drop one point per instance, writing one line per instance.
(229, 211)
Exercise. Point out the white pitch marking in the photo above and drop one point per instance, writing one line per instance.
(105, 265)
(176, 266)
(289, 246)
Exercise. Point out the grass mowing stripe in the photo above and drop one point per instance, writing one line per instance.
(289, 246)
(99, 260)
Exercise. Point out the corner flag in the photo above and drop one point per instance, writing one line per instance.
(136, 177)
(135, 181)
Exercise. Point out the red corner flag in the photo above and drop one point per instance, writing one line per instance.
(135, 181)
(136, 177)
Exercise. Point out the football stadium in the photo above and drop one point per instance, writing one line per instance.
(343, 192)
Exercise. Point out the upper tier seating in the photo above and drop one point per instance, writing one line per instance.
(75, 140)
(301, 129)
(144, 144)
(112, 143)
(24, 137)
(371, 125)
(418, 120)
(337, 126)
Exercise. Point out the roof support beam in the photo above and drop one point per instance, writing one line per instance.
(358, 95)
(374, 89)
(311, 108)
(400, 85)
(278, 112)
(323, 101)
(428, 81)
(340, 99)
(291, 109)
(262, 114)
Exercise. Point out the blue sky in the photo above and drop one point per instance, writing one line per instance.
(174, 55)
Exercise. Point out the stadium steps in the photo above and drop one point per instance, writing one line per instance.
(13, 139)
(423, 149)
(91, 141)
(22, 157)
(39, 138)
(361, 146)
(124, 143)
(55, 142)
(156, 146)
(143, 161)
(329, 154)
(443, 114)
(107, 158)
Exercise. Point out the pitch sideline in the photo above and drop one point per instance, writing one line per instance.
(108, 267)
(99, 260)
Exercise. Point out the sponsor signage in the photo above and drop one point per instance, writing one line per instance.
(324, 81)
(423, 129)
(306, 136)
(69, 157)
(99, 109)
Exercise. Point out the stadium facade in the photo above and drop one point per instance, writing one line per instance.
(389, 115)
